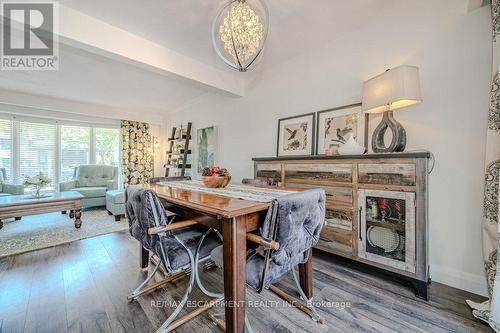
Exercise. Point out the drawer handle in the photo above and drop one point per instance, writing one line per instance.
(359, 223)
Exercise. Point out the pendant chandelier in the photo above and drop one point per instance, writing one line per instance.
(239, 32)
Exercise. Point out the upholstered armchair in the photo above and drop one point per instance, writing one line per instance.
(92, 181)
(6, 188)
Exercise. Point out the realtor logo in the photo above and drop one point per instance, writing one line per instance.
(29, 38)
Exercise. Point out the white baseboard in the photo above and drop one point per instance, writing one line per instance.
(466, 281)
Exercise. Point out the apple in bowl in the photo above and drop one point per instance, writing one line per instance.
(216, 177)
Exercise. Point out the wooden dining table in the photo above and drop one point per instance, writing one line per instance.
(234, 218)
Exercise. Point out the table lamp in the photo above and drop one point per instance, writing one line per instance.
(394, 89)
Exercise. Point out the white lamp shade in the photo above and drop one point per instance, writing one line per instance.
(396, 88)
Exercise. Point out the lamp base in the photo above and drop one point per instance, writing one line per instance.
(398, 142)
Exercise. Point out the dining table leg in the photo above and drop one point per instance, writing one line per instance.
(235, 249)
(306, 276)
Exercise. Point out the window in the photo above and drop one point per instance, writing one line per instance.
(107, 146)
(75, 149)
(6, 146)
(29, 146)
(37, 149)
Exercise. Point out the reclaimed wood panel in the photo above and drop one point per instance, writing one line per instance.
(334, 247)
(387, 174)
(268, 170)
(335, 195)
(338, 218)
(318, 173)
(342, 236)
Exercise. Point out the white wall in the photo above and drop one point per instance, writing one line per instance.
(452, 49)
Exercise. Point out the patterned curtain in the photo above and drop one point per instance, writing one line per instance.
(489, 311)
(137, 152)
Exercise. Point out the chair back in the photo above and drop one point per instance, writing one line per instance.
(3, 175)
(155, 180)
(95, 175)
(252, 181)
(295, 222)
(143, 209)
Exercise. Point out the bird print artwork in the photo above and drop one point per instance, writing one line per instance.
(342, 134)
(292, 133)
(295, 136)
(338, 129)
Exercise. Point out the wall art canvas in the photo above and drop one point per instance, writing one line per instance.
(336, 125)
(207, 145)
(296, 135)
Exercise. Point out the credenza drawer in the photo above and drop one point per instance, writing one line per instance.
(387, 174)
(318, 173)
(268, 170)
(335, 195)
(337, 235)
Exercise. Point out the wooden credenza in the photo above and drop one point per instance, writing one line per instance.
(376, 207)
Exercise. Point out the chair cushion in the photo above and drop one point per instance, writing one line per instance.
(177, 256)
(255, 267)
(144, 210)
(92, 192)
(300, 218)
(95, 175)
(116, 196)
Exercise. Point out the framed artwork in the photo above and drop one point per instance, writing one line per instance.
(336, 125)
(296, 135)
(207, 146)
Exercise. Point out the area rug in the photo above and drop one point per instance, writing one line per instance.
(47, 230)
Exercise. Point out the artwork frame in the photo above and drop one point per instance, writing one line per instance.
(207, 147)
(343, 117)
(303, 125)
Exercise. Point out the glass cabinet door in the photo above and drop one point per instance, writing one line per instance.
(387, 228)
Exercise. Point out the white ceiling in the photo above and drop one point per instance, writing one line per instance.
(184, 26)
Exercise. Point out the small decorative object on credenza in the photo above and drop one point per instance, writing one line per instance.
(396, 88)
(336, 125)
(351, 147)
(296, 135)
(38, 182)
(216, 177)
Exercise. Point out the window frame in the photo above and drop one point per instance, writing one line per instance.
(15, 142)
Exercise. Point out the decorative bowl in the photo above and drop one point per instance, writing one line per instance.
(216, 181)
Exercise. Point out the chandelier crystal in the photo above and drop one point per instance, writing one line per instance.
(239, 32)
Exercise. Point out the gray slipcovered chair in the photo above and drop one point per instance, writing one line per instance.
(92, 181)
(156, 180)
(259, 181)
(180, 246)
(291, 228)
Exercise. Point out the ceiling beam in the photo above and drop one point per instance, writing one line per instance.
(88, 33)
(92, 35)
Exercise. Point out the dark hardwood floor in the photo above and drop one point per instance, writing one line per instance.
(82, 287)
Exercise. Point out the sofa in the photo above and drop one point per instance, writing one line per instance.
(92, 181)
(7, 189)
